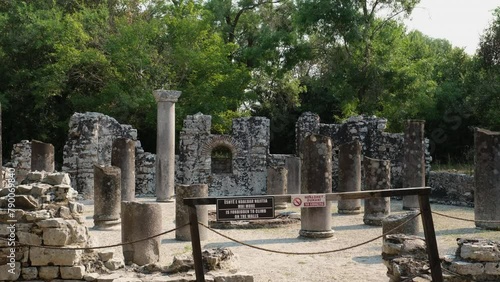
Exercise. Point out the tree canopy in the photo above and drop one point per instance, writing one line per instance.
(230, 58)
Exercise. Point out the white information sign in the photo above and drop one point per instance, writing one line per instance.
(309, 200)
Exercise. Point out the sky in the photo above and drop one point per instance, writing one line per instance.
(460, 21)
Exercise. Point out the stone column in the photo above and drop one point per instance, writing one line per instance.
(392, 224)
(42, 156)
(487, 179)
(350, 176)
(414, 161)
(182, 211)
(123, 157)
(316, 172)
(107, 196)
(165, 144)
(141, 220)
(377, 177)
(292, 164)
(277, 184)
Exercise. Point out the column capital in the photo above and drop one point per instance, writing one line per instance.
(166, 95)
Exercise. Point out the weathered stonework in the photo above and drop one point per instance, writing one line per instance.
(452, 188)
(21, 159)
(247, 151)
(90, 140)
(369, 131)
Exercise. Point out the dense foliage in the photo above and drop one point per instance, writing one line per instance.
(235, 58)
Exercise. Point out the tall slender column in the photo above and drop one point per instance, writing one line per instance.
(350, 176)
(414, 161)
(123, 157)
(487, 179)
(165, 144)
(316, 156)
(42, 156)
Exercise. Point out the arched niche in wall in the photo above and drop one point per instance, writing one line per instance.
(222, 152)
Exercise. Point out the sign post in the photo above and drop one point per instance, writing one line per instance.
(309, 200)
(245, 208)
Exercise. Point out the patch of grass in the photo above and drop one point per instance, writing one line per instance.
(454, 167)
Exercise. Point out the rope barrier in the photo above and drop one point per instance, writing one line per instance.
(310, 253)
(93, 248)
(468, 220)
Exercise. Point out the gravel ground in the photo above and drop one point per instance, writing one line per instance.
(363, 263)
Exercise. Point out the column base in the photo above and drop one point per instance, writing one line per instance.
(108, 225)
(316, 234)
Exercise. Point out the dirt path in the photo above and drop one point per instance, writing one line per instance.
(359, 264)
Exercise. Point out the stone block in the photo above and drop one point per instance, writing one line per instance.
(7, 273)
(108, 278)
(52, 223)
(236, 277)
(48, 272)
(65, 213)
(40, 189)
(467, 268)
(480, 252)
(35, 176)
(28, 238)
(91, 276)
(24, 189)
(106, 255)
(78, 232)
(57, 178)
(26, 202)
(72, 272)
(61, 257)
(29, 273)
(37, 215)
(114, 264)
(76, 207)
(492, 268)
(56, 236)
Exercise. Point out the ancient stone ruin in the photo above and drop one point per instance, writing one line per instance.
(90, 141)
(376, 143)
(45, 213)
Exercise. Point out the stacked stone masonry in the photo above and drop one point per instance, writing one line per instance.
(369, 131)
(475, 260)
(46, 214)
(249, 153)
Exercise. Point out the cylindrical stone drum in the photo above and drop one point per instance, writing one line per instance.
(316, 168)
(392, 223)
(141, 220)
(350, 176)
(182, 211)
(487, 179)
(414, 161)
(377, 177)
(277, 184)
(107, 196)
(123, 157)
(42, 156)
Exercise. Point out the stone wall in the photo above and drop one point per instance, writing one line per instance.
(248, 147)
(90, 140)
(20, 159)
(369, 131)
(46, 214)
(451, 188)
(475, 260)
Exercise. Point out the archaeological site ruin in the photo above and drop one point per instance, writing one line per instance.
(108, 184)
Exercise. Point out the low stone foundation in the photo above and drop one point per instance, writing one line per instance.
(451, 188)
(475, 260)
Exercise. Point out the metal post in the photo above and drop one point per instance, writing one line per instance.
(195, 243)
(430, 237)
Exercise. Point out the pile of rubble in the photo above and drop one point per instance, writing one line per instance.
(42, 211)
(475, 260)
